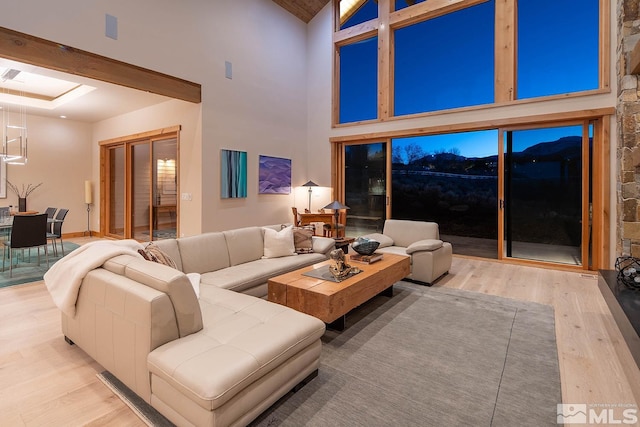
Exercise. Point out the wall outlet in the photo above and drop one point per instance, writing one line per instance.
(186, 196)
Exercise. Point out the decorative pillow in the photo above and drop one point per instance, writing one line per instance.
(153, 253)
(278, 243)
(303, 240)
(382, 238)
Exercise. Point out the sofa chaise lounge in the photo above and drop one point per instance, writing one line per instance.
(204, 354)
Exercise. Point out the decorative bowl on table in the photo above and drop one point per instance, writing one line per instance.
(365, 246)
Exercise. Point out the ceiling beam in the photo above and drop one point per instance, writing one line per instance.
(47, 54)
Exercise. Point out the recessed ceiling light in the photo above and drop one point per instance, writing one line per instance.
(63, 117)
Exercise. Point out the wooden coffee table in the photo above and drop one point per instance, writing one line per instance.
(330, 301)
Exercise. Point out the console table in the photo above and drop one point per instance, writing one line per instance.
(158, 209)
(624, 304)
(308, 218)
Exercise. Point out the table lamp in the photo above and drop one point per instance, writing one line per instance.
(310, 184)
(336, 206)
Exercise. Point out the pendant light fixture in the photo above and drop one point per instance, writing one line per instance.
(14, 126)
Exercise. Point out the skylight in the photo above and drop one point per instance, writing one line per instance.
(348, 8)
(37, 91)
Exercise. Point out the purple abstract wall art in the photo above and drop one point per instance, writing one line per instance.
(274, 175)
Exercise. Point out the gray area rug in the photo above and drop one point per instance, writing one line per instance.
(432, 357)
(427, 357)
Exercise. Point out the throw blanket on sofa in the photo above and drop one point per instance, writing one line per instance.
(65, 276)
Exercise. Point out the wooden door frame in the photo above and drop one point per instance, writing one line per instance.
(127, 142)
(600, 158)
(586, 221)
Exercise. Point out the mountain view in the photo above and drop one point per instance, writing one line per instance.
(542, 184)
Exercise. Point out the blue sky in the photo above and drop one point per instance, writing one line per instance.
(484, 143)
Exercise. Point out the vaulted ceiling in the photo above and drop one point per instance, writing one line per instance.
(303, 9)
(103, 102)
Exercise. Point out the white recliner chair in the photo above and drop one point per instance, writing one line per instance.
(430, 256)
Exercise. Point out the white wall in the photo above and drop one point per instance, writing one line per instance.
(59, 156)
(261, 110)
(320, 70)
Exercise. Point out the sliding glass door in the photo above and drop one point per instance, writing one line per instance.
(545, 205)
(115, 192)
(522, 193)
(164, 189)
(141, 187)
(140, 184)
(365, 187)
(450, 179)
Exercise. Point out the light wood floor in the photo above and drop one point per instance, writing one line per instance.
(44, 381)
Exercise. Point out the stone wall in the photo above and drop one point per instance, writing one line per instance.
(628, 122)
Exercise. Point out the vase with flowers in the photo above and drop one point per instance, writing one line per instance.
(22, 193)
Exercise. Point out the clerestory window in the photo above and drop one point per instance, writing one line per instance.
(425, 56)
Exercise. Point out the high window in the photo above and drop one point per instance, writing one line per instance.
(359, 81)
(398, 58)
(433, 60)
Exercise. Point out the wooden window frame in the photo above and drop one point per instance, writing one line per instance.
(505, 54)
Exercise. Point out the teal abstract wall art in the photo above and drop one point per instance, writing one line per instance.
(233, 171)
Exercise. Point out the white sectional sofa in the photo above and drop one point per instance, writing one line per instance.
(233, 260)
(207, 355)
(430, 257)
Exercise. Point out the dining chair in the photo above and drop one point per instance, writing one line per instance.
(5, 221)
(27, 231)
(296, 219)
(56, 230)
(50, 212)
